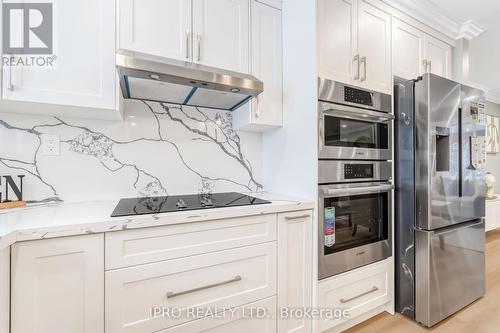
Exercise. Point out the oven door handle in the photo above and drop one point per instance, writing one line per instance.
(336, 192)
(348, 112)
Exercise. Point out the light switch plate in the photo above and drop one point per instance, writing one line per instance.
(50, 144)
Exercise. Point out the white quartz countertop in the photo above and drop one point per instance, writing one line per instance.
(79, 218)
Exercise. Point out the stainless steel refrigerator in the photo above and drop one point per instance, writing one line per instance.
(440, 197)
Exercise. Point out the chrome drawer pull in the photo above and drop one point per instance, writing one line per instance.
(297, 217)
(171, 294)
(343, 300)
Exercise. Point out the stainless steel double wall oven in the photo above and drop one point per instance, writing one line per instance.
(355, 177)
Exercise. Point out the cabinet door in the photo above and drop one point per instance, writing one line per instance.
(267, 64)
(408, 50)
(5, 290)
(337, 40)
(375, 48)
(156, 27)
(222, 34)
(295, 268)
(58, 285)
(438, 54)
(84, 72)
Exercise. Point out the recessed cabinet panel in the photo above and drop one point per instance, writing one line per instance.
(84, 73)
(438, 54)
(58, 285)
(156, 27)
(266, 110)
(408, 50)
(375, 48)
(221, 34)
(337, 39)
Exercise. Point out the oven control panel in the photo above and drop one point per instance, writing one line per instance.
(358, 171)
(358, 96)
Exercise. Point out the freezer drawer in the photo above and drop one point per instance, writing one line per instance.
(450, 270)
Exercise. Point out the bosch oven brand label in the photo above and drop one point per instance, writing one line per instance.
(329, 226)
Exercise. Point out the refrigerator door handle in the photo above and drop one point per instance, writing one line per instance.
(460, 226)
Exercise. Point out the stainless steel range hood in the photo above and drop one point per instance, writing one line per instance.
(159, 79)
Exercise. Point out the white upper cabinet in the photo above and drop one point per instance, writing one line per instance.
(266, 110)
(338, 40)
(416, 52)
(211, 32)
(84, 72)
(354, 41)
(438, 57)
(408, 51)
(156, 27)
(221, 33)
(374, 48)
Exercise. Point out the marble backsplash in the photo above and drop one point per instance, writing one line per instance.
(159, 149)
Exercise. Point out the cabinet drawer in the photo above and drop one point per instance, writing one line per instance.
(234, 323)
(141, 246)
(228, 278)
(357, 292)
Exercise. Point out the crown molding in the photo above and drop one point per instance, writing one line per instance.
(428, 13)
(470, 30)
(493, 96)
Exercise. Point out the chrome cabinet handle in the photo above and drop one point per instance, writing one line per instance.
(289, 218)
(357, 190)
(425, 63)
(363, 61)
(172, 294)
(198, 38)
(356, 60)
(188, 34)
(11, 85)
(347, 300)
(430, 66)
(257, 108)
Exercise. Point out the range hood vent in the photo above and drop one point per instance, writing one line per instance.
(159, 79)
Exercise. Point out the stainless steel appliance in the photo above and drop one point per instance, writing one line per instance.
(153, 78)
(355, 214)
(440, 197)
(353, 123)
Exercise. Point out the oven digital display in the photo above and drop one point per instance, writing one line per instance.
(357, 96)
(357, 171)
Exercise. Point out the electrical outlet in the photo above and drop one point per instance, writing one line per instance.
(50, 144)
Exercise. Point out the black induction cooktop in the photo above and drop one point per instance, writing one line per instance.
(175, 203)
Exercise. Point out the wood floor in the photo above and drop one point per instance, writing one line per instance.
(483, 316)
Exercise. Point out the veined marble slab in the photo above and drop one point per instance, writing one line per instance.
(80, 218)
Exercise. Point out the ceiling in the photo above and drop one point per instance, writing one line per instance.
(484, 12)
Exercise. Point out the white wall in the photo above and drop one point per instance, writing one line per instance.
(290, 153)
(484, 54)
(493, 160)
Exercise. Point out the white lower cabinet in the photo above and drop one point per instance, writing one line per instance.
(492, 214)
(224, 279)
(295, 268)
(358, 292)
(4, 290)
(237, 323)
(224, 275)
(57, 285)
